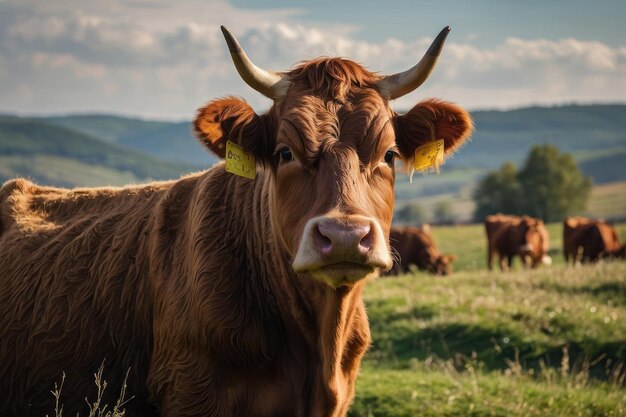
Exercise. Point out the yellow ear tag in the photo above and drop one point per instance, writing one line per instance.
(239, 162)
(429, 155)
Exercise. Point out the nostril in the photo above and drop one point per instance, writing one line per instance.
(321, 241)
(367, 240)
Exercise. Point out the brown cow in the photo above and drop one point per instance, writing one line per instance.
(586, 240)
(509, 236)
(416, 246)
(223, 295)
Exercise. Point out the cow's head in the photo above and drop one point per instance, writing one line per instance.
(534, 242)
(442, 265)
(427, 253)
(329, 142)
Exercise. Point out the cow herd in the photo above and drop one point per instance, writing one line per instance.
(584, 240)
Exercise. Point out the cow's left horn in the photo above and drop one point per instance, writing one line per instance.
(268, 83)
(397, 85)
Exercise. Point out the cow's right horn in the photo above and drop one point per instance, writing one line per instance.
(268, 83)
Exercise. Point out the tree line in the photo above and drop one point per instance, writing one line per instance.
(548, 186)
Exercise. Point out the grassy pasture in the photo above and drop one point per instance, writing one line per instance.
(545, 342)
(608, 200)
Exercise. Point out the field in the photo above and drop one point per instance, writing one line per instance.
(608, 200)
(546, 342)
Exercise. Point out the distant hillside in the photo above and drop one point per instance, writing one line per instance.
(51, 154)
(500, 136)
(173, 141)
(508, 135)
(594, 134)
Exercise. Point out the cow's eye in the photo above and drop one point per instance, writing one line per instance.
(390, 156)
(285, 154)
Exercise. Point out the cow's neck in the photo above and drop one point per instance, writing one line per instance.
(332, 323)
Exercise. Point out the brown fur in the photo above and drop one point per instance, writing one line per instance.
(189, 283)
(586, 240)
(507, 235)
(416, 246)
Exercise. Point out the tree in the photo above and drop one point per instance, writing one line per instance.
(553, 185)
(410, 213)
(444, 213)
(498, 192)
(549, 186)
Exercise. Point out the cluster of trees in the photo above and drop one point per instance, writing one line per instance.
(414, 214)
(549, 186)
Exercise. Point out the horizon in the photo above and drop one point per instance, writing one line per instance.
(190, 119)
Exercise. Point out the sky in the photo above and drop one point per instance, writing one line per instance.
(162, 59)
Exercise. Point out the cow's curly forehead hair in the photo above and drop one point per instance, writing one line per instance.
(331, 78)
(331, 101)
(309, 125)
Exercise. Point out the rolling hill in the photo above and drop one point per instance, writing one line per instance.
(55, 155)
(106, 149)
(508, 135)
(595, 134)
(173, 141)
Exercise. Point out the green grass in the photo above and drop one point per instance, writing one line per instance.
(545, 342)
(440, 390)
(494, 315)
(608, 201)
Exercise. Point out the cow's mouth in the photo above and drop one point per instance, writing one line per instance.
(343, 273)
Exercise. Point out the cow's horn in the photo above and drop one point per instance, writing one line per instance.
(397, 85)
(268, 83)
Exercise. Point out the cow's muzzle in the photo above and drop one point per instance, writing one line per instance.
(341, 250)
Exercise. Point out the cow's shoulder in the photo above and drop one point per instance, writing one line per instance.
(14, 187)
(499, 224)
(14, 193)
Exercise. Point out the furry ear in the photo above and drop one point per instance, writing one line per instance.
(432, 120)
(232, 119)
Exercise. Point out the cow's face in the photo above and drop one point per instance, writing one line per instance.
(334, 173)
(329, 145)
(534, 242)
(442, 265)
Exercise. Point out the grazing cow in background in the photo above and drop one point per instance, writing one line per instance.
(223, 295)
(586, 240)
(416, 246)
(508, 236)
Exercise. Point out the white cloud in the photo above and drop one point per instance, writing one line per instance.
(166, 59)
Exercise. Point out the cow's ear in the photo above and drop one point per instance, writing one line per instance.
(432, 120)
(233, 119)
